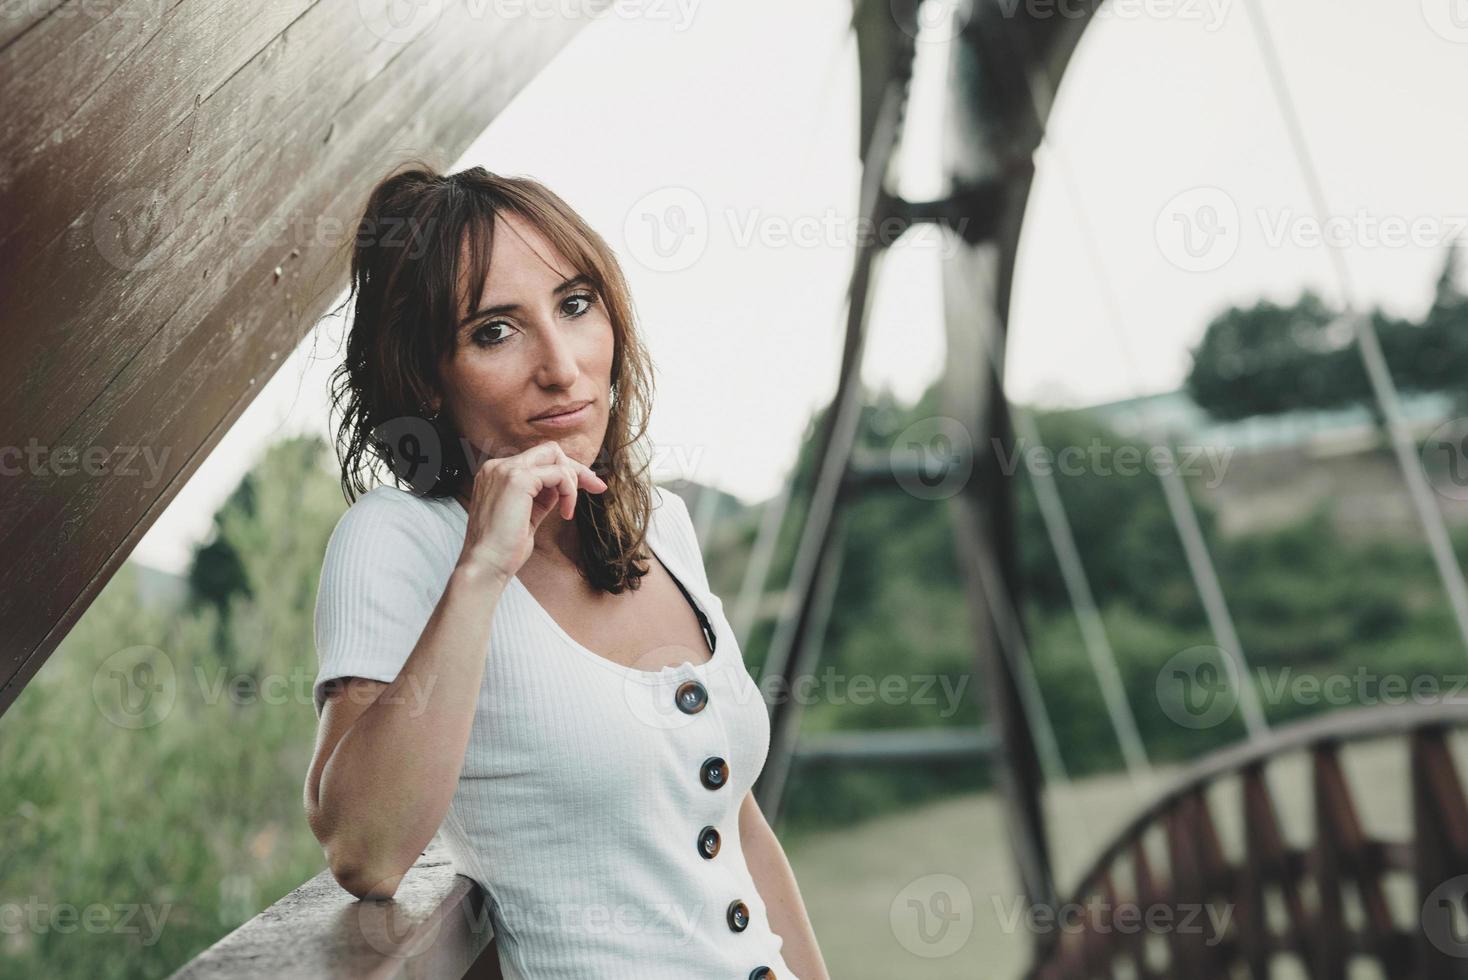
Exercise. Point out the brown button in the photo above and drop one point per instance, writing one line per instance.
(761, 973)
(708, 842)
(738, 916)
(715, 772)
(691, 697)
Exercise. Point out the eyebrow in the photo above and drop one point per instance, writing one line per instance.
(488, 311)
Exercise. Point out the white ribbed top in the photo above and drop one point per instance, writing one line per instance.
(580, 806)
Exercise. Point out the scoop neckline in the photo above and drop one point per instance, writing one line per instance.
(658, 676)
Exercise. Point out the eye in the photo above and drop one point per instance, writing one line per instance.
(587, 298)
(479, 338)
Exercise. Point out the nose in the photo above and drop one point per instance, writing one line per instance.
(557, 367)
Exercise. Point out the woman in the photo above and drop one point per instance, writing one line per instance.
(500, 660)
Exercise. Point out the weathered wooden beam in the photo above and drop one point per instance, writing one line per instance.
(181, 184)
(436, 927)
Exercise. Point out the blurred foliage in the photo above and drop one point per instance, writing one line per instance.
(128, 850)
(1268, 358)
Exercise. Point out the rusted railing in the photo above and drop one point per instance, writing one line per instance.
(1322, 906)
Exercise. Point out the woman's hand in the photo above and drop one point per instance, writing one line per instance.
(511, 496)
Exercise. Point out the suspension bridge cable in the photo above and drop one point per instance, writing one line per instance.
(1180, 507)
(1073, 572)
(1383, 389)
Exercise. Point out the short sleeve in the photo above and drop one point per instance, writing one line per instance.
(380, 581)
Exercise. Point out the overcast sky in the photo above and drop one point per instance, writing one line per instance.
(713, 145)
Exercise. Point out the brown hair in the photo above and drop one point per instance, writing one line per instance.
(405, 267)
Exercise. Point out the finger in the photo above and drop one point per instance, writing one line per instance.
(568, 491)
(552, 477)
(580, 471)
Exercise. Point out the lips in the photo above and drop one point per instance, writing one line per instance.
(564, 412)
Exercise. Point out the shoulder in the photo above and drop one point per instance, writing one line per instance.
(387, 518)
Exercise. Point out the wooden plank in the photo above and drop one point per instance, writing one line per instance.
(1440, 857)
(435, 927)
(142, 307)
(1346, 849)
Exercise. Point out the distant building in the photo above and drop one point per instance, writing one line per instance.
(1188, 422)
(1277, 468)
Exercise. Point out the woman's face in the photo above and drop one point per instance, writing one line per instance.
(538, 339)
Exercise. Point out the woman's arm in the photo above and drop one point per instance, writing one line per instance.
(776, 883)
(388, 756)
